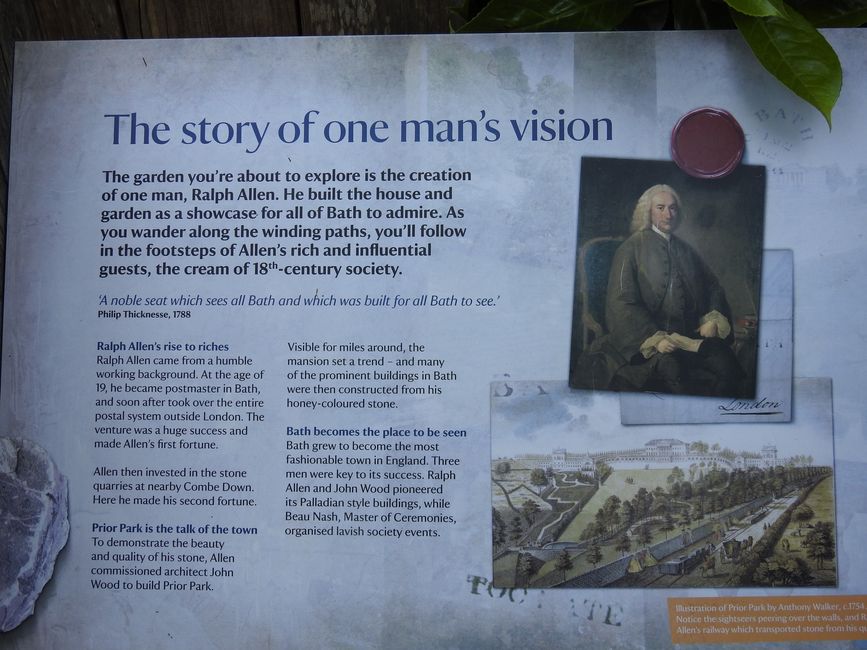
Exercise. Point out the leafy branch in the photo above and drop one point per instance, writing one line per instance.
(782, 35)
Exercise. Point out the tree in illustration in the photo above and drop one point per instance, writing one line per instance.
(660, 503)
(564, 563)
(594, 556)
(776, 487)
(526, 567)
(529, 510)
(685, 519)
(686, 491)
(715, 503)
(796, 572)
(803, 513)
(624, 545)
(667, 524)
(781, 572)
(498, 527)
(700, 491)
(502, 468)
(697, 511)
(820, 543)
(599, 519)
(642, 502)
(611, 510)
(644, 534)
(603, 469)
(538, 478)
(516, 529)
(593, 530)
(628, 512)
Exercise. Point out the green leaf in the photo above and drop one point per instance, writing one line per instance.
(841, 13)
(549, 15)
(756, 8)
(793, 51)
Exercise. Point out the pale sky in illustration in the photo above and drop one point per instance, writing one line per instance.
(537, 417)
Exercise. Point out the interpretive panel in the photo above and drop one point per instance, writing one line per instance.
(257, 292)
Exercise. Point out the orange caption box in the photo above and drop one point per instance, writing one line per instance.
(745, 620)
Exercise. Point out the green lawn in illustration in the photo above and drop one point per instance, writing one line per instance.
(821, 502)
(615, 484)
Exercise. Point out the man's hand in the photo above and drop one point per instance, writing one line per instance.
(665, 346)
(709, 330)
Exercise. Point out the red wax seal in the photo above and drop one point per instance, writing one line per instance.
(707, 143)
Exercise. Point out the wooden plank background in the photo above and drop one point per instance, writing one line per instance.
(46, 20)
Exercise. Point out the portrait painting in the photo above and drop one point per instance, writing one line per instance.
(667, 279)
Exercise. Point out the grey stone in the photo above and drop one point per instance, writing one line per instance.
(34, 526)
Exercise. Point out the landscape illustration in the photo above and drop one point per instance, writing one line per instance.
(710, 507)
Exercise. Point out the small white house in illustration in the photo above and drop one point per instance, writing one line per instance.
(767, 458)
(559, 459)
(666, 447)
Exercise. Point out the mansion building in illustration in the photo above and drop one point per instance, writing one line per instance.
(659, 453)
